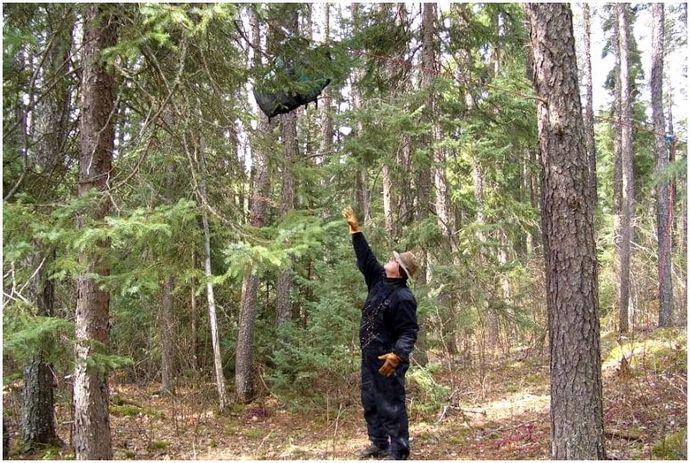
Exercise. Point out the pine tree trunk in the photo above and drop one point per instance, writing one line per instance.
(167, 335)
(570, 253)
(362, 180)
(628, 189)
(91, 435)
(617, 173)
(287, 197)
(404, 159)
(50, 134)
(38, 413)
(589, 106)
(287, 204)
(258, 213)
(429, 71)
(664, 216)
(326, 147)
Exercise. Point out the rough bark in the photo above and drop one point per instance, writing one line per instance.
(50, 133)
(287, 204)
(287, 198)
(589, 105)
(664, 217)
(627, 181)
(325, 103)
(570, 253)
(430, 70)
(257, 218)
(38, 414)
(91, 437)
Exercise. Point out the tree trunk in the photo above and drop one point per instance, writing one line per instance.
(210, 296)
(167, 335)
(195, 329)
(388, 200)
(287, 204)
(664, 216)
(429, 71)
(250, 284)
(326, 147)
(91, 435)
(627, 188)
(683, 213)
(50, 133)
(38, 413)
(362, 180)
(617, 173)
(589, 106)
(287, 197)
(570, 254)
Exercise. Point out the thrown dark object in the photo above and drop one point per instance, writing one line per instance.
(299, 84)
(280, 102)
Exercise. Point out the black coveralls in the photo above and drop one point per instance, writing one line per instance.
(388, 324)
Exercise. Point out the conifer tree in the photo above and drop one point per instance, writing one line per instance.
(577, 427)
(91, 436)
(664, 216)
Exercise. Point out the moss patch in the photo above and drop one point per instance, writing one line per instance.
(672, 447)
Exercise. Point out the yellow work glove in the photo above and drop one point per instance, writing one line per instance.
(351, 219)
(390, 364)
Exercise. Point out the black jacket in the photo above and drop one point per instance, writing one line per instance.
(389, 316)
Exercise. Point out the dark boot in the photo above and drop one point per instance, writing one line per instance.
(390, 456)
(372, 451)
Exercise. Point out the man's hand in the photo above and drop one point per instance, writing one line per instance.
(351, 219)
(390, 364)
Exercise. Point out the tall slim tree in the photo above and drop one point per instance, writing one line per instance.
(664, 216)
(589, 102)
(91, 435)
(49, 135)
(430, 67)
(257, 217)
(362, 180)
(167, 334)
(200, 155)
(325, 110)
(577, 430)
(628, 187)
(288, 132)
(617, 166)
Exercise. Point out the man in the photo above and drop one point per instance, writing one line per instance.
(387, 334)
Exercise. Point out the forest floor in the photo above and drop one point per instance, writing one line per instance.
(496, 413)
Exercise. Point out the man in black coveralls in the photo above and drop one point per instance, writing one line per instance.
(387, 334)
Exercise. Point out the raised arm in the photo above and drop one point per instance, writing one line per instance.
(366, 261)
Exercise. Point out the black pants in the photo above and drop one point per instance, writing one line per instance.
(383, 399)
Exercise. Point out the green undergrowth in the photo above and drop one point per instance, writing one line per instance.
(672, 447)
(662, 350)
(134, 410)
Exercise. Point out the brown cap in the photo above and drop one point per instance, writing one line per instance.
(408, 262)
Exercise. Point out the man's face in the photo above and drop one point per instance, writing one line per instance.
(392, 267)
